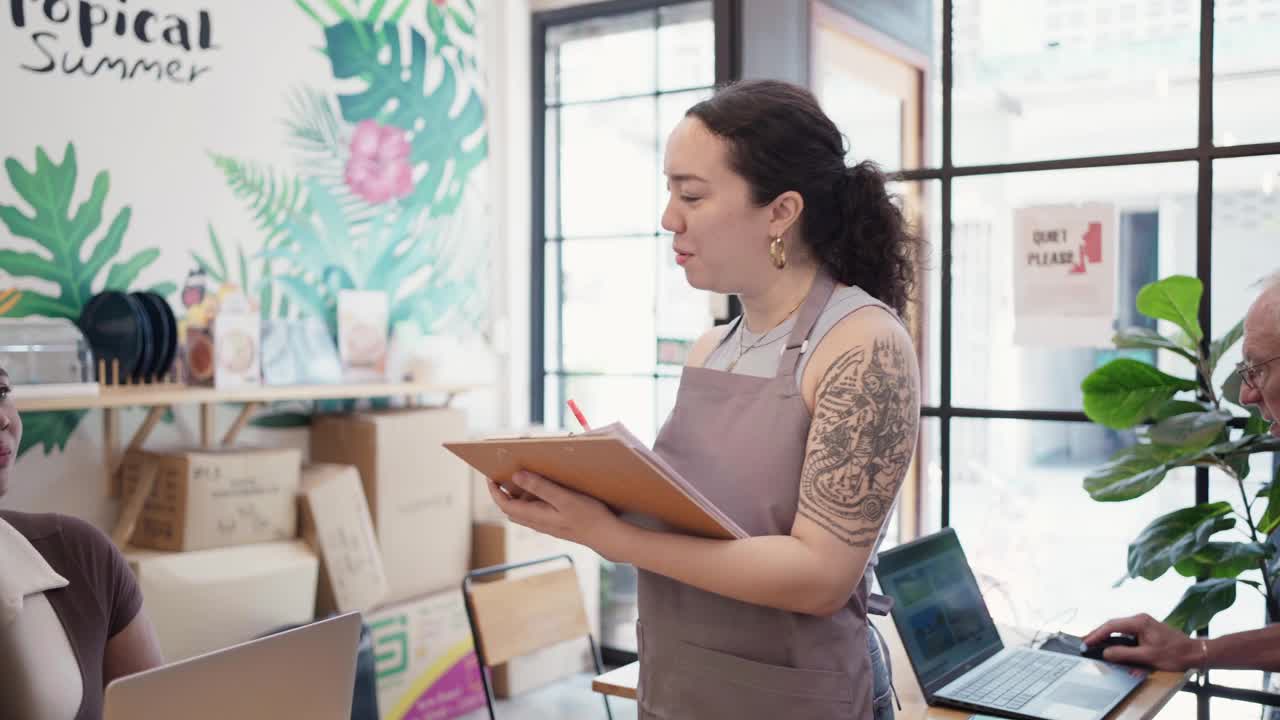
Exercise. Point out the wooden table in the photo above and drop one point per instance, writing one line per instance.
(1147, 700)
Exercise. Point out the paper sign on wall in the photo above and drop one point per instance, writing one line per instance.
(1064, 275)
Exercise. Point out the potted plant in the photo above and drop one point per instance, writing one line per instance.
(1180, 422)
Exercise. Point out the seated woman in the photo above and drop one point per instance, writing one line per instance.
(71, 617)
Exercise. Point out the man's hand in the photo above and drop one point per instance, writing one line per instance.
(543, 505)
(1159, 646)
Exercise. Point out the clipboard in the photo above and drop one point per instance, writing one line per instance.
(609, 464)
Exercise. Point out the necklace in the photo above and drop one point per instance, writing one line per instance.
(759, 342)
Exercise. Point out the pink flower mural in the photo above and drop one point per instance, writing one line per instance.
(379, 168)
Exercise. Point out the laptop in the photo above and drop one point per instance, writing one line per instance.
(956, 652)
(307, 672)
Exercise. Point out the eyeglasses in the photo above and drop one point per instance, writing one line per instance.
(1249, 374)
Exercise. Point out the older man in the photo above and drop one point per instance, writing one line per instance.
(1159, 645)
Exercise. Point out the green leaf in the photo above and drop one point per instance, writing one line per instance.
(1224, 559)
(1256, 424)
(1190, 429)
(244, 268)
(271, 210)
(1177, 535)
(217, 253)
(1219, 347)
(164, 289)
(1124, 392)
(61, 230)
(207, 267)
(1147, 339)
(1271, 516)
(310, 299)
(1171, 408)
(48, 429)
(1131, 472)
(122, 274)
(1201, 602)
(1176, 299)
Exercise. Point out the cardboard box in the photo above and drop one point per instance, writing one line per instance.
(211, 599)
(417, 490)
(426, 661)
(205, 499)
(334, 520)
(506, 542)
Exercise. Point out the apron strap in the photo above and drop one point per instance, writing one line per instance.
(814, 304)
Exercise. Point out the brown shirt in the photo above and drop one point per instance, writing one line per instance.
(100, 599)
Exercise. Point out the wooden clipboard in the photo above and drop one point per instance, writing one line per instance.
(605, 467)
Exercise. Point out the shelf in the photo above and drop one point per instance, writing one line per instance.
(171, 394)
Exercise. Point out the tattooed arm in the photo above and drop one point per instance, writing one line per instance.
(861, 384)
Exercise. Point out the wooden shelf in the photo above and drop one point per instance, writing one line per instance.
(162, 396)
(170, 394)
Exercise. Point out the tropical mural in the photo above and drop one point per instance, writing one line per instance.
(381, 189)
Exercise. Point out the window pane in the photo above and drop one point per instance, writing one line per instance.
(1246, 72)
(1045, 553)
(921, 203)
(686, 46)
(1072, 79)
(683, 313)
(609, 288)
(1156, 226)
(553, 294)
(551, 174)
(1246, 242)
(575, 71)
(608, 162)
(606, 400)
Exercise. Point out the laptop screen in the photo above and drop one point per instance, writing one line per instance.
(938, 608)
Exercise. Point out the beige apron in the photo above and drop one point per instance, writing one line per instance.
(741, 439)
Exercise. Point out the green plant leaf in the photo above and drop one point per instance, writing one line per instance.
(1190, 429)
(310, 300)
(1172, 408)
(1124, 392)
(1200, 603)
(122, 274)
(1131, 472)
(1219, 347)
(1176, 299)
(272, 197)
(1177, 535)
(208, 268)
(1256, 424)
(1271, 516)
(49, 429)
(217, 252)
(244, 268)
(1224, 559)
(1147, 339)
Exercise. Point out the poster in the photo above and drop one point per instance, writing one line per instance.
(1064, 275)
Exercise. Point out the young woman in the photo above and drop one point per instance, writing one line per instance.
(799, 421)
(71, 617)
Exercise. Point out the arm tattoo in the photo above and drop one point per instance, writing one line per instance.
(861, 441)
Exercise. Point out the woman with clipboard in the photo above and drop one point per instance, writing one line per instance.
(799, 421)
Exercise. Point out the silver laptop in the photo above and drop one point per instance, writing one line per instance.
(956, 652)
(307, 672)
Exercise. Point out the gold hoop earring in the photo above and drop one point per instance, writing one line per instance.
(778, 253)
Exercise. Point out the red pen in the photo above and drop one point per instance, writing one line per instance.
(582, 420)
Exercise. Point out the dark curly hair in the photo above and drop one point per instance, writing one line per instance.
(780, 139)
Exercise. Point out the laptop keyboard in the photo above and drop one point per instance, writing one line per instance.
(1014, 681)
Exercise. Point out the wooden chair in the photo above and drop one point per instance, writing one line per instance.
(512, 617)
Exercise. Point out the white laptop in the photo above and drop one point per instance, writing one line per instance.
(307, 672)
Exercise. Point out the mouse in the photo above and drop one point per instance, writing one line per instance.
(1095, 651)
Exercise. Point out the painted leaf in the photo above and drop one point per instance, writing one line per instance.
(61, 231)
(1124, 392)
(51, 430)
(1176, 299)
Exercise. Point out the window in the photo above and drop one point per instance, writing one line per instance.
(618, 315)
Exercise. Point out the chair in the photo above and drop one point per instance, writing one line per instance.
(512, 617)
